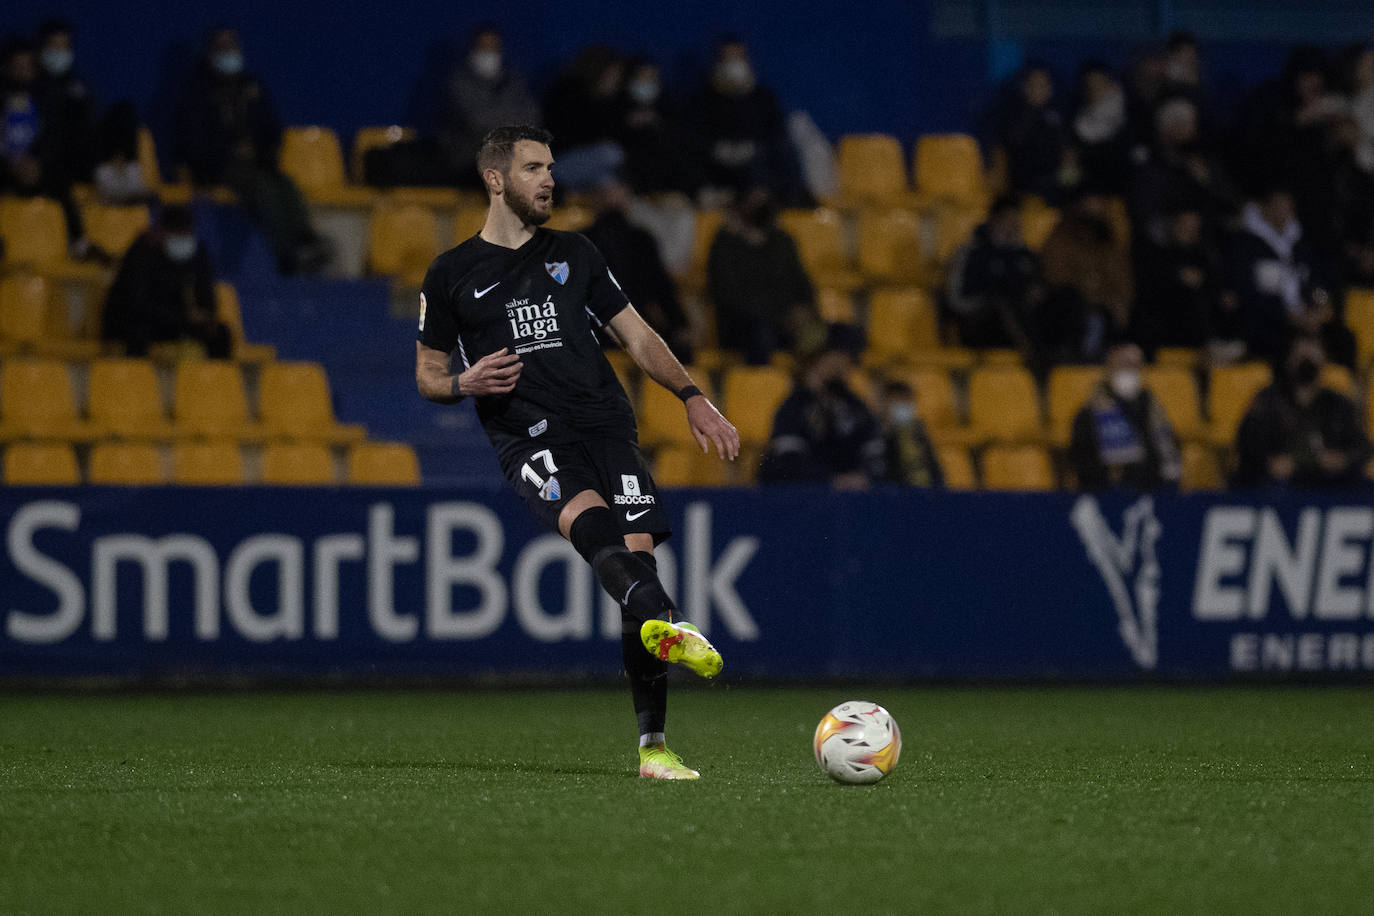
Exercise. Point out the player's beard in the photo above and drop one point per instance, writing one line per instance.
(526, 209)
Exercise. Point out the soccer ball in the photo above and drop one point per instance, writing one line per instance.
(857, 743)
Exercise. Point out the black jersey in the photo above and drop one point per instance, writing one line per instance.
(542, 301)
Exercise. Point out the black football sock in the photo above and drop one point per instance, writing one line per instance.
(648, 675)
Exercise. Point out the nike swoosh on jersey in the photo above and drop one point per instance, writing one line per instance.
(478, 294)
(631, 516)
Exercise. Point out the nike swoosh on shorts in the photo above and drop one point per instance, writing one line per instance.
(631, 516)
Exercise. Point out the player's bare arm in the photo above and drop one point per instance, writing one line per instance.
(495, 373)
(709, 427)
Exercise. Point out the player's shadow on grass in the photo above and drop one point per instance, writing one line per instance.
(492, 766)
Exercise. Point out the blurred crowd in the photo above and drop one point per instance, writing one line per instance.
(1231, 232)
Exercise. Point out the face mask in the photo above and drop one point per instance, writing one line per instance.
(1126, 384)
(645, 92)
(180, 248)
(735, 73)
(228, 63)
(902, 414)
(1306, 372)
(486, 64)
(57, 61)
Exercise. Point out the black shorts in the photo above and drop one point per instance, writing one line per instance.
(547, 476)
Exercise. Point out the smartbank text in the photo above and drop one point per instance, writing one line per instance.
(220, 596)
(1320, 570)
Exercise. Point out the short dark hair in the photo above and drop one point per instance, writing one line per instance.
(54, 26)
(498, 146)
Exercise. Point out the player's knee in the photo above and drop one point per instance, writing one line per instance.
(595, 530)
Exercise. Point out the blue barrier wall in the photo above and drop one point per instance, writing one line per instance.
(788, 583)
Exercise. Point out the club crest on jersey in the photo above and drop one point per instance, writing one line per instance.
(558, 270)
(550, 491)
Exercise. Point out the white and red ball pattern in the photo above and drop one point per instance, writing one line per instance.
(857, 743)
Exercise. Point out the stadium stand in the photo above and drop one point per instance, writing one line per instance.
(374, 137)
(1068, 389)
(294, 403)
(949, 168)
(1176, 389)
(402, 240)
(821, 238)
(890, 250)
(313, 157)
(38, 401)
(126, 400)
(957, 466)
(1230, 390)
(209, 402)
(33, 323)
(229, 311)
(872, 171)
(1004, 405)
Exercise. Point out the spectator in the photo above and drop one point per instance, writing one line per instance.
(1178, 290)
(1088, 280)
(1183, 66)
(994, 282)
(1030, 136)
(1178, 173)
(229, 133)
(908, 456)
(1099, 128)
(165, 291)
(1297, 432)
(584, 110)
(1279, 287)
(65, 100)
(824, 432)
(483, 92)
(763, 298)
(633, 255)
(1360, 85)
(1121, 436)
(741, 125)
(119, 177)
(660, 155)
(32, 160)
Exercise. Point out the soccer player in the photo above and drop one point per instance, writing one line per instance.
(507, 318)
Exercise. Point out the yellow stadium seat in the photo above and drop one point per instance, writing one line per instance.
(1339, 379)
(684, 466)
(901, 321)
(1004, 405)
(114, 228)
(35, 233)
(51, 464)
(1176, 389)
(571, 218)
(1017, 467)
(228, 310)
(751, 397)
(949, 166)
(889, 243)
(704, 229)
(1068, 390)
(660, 415)
(1037, 222)
(872, 170)
(1359, 317)
(1229, 393)
(209, 402)
(954, 225)
(392, 464)
(836, 306)
(1000, 356)
(1201, 468)
(313, 158)
(294, 403)
(38, 401)
(126, 464)
(402, 241)
(297, 464)
(147, 159)
(821, 242)
(126, 400)
(1186, 357)
(467, 222)
(937, 403)
(957, 466)
(33, 322)
(207, 464)
(370, 138)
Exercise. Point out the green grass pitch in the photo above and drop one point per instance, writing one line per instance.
(1062, 800)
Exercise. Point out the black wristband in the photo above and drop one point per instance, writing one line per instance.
(688, 391)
